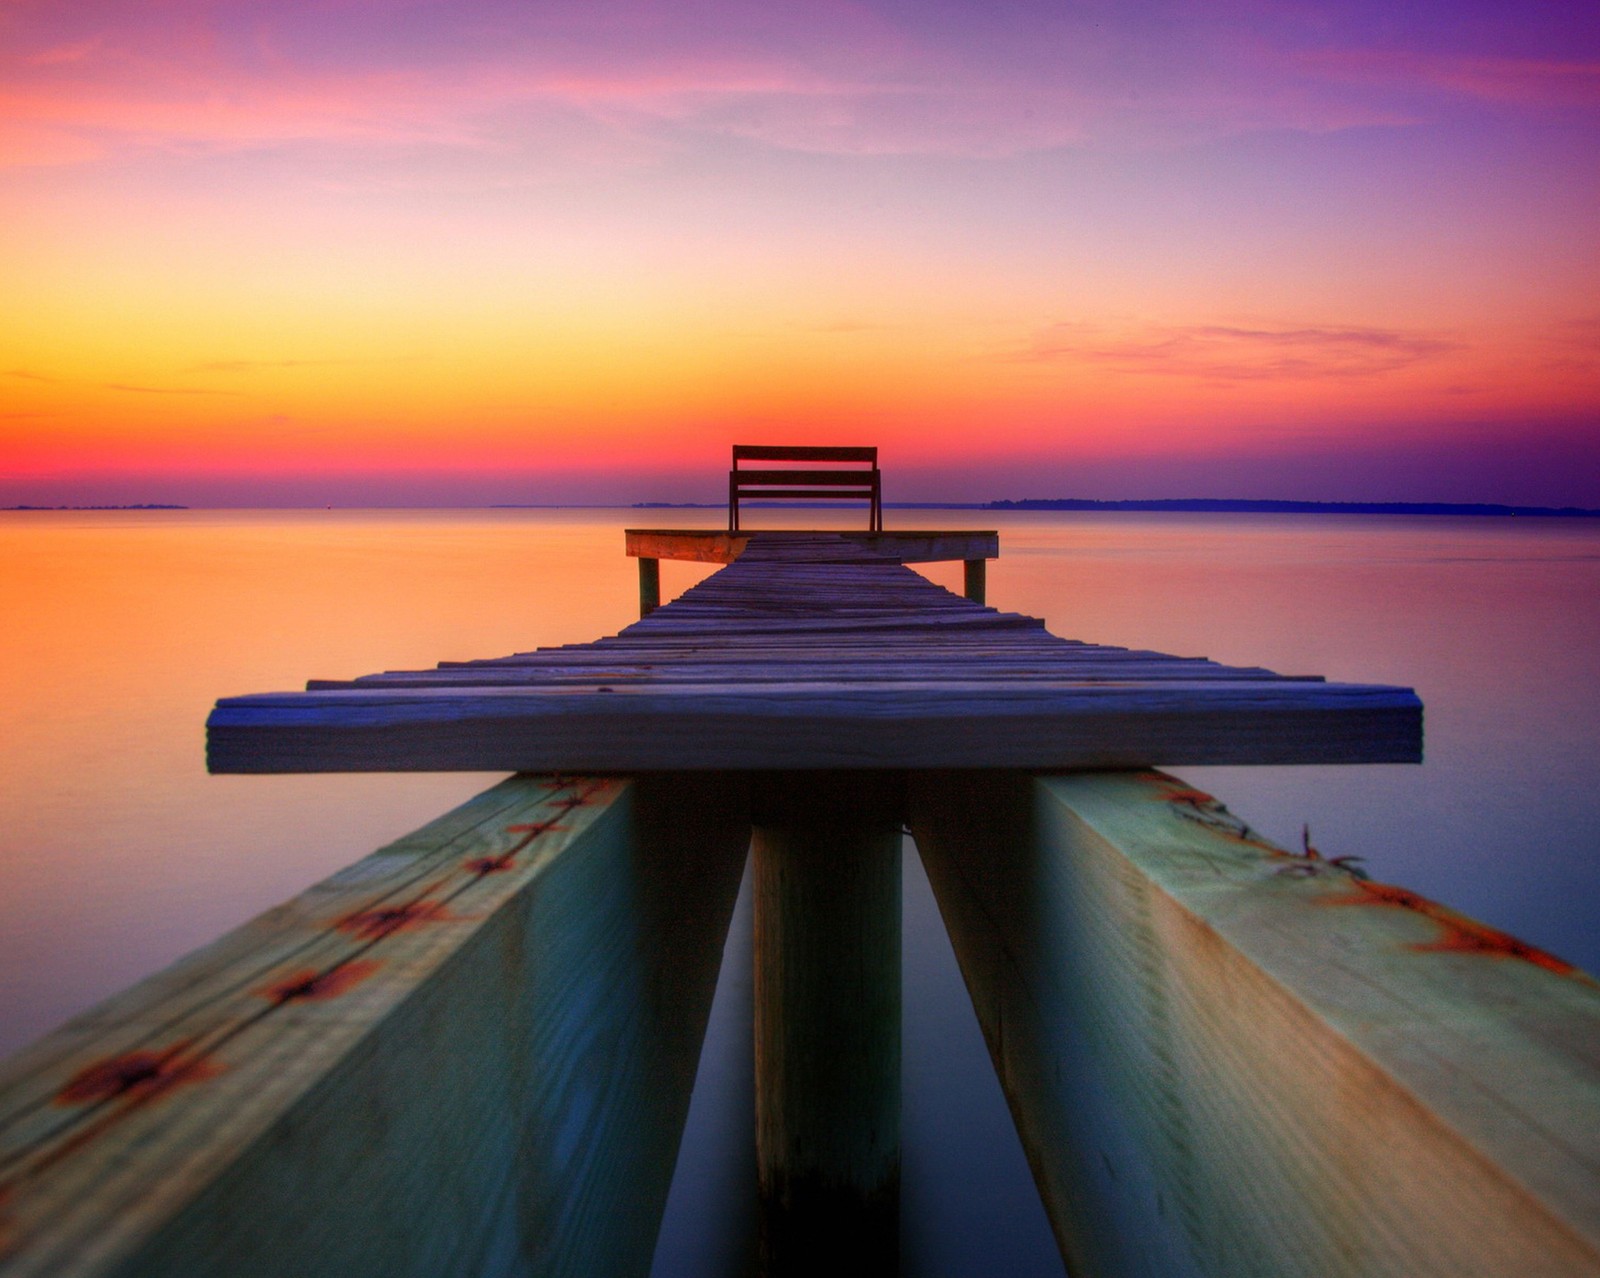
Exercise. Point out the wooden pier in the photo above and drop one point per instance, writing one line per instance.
(472, 1052)
(817, 650)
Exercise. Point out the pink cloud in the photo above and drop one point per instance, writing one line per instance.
(76, 51)
(1516, 81)
(1230, 353)
(125, 387)
(832, 78)
(636, 79)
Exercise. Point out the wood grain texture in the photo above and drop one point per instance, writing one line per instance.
(930, 725)
(1225, 1059)
(792, 657)
(707, 546)
(470, 1053)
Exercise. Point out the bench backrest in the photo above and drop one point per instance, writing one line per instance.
(811, 485)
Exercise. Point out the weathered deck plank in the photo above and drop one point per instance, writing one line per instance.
(1226, 1059)
(885, 725)
(789, 659)
(468, 1054)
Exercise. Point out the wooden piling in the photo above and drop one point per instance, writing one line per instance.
(470, 1053)
(974, 577)
(649, 585)
(826, 859)
(1225, 1058)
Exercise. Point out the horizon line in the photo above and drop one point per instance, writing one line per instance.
(1178, 505)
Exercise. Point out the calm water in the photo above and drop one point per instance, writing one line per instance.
(120, 853)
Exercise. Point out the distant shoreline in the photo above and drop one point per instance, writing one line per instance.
(1203, 505)
(1208, 505)
(148, 505)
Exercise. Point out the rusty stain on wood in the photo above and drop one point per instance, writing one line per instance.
(206, 1120)
(1457, 932)
(1220, 1063)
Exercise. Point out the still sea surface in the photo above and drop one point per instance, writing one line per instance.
(119, 853)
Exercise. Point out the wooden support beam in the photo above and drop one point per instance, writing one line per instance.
(698, 545)
(826, 859)
(468, 1054)
(649, 585)
(1224, 1058)
(913, 546)
(974, 577)
(937, 723)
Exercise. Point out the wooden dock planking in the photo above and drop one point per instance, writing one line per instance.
(1225, 1058)
(468, 1054)
(817, 651)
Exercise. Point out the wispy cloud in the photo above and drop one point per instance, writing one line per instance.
(130, 388)
(1227, 353)
(1583, 331)
(848, 326)
(261, 365)
(55, 55)
(831, 77)
(1574, 348)
(1519, 81)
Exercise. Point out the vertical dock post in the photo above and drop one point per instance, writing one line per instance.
(826, 855)
(975, 579)
(649, 585)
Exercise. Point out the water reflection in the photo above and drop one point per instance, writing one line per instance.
(967, 1201)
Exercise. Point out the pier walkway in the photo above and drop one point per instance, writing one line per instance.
(817, 650)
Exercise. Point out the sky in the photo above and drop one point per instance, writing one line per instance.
(365, 253)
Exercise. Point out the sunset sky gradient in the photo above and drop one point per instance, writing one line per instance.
(352, 252)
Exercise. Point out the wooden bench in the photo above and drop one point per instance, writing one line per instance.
(809, 485)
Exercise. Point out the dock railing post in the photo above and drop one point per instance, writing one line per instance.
(826, 860)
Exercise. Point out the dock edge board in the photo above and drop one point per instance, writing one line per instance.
(1106, 726)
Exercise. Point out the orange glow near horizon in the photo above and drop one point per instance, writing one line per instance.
(251, 244)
